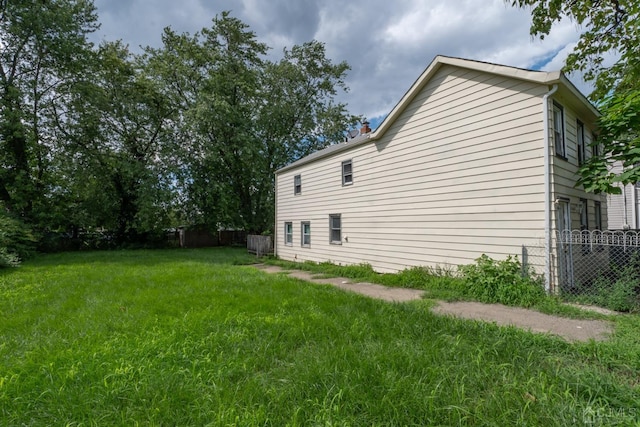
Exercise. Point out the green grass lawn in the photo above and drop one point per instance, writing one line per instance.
(192, 337)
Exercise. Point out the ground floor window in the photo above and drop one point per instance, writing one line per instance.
(335, 229)
(598, 215)
(584, 214)
(306, 233)
(288, 233)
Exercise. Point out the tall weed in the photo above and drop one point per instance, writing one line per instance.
(502, 282)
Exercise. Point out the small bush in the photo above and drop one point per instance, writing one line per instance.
(16, 241)
(8, 259)
(502, 282)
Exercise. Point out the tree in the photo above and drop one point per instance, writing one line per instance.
(297, 115)
(116, 126)
(42, 43)
(611, 27)
(242, 117)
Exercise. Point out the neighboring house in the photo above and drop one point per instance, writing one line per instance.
(623, 208)
(458, 169)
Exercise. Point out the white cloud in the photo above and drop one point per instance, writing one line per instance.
(387, 44)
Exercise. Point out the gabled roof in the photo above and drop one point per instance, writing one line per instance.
(582, 104)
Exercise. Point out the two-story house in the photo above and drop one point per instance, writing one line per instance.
(476, 158)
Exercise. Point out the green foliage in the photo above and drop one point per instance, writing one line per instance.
(502, 282)
(620, 138)
(625, 294)
(95, 138)
(17, 241)
(43, 46)
(242, 117)
(619, 290)
(117, 140)
(609, 28)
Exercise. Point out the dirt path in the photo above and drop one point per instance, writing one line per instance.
(569, 329)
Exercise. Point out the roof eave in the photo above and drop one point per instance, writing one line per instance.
(321, 155)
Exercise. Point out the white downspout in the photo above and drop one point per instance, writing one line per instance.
(547, 190)
(625, 225)
(275, 215)
(634, 207)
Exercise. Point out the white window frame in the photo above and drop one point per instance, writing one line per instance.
(288, 233)
(559, 141)
(347, 177)
(297, 185)
(333, 229)
(305, 238)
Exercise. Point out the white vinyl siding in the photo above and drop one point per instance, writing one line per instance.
(459, 173)
(622, 209)
(565, 170)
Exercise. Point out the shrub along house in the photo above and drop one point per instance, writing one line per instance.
(476, 158)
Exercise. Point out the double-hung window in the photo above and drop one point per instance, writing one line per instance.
(347, 172)
(297, 184)
(288, 233)
(584, 214)
(582, 146)
(305, 238)
(335, 229)
(558, 131)
(584, 225)
(595, 147)
(597, 212)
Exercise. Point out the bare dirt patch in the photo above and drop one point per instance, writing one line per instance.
(534, 321)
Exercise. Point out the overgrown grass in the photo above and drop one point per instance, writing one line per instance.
(448, 284)
(439, 283)
(185, 337)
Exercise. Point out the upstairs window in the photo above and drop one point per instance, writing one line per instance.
(305, 239)
(335, 229)
(347, 172)
(297, 185)
(288, 233)
(582, 146)
(558, 131)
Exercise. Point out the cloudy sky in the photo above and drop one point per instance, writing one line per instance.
(387, 43)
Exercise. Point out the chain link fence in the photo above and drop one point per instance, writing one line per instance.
(600, 267)
(592, 267)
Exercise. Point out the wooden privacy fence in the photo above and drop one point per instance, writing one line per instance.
(185, 238)
(259, 245)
